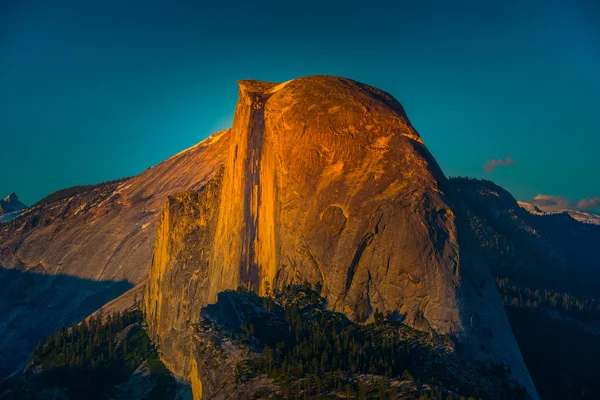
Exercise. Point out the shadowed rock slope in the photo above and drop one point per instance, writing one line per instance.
(326, 181)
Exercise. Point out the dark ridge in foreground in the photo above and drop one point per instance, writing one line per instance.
(289, 345)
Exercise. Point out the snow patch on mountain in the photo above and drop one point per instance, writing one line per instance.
(583, 217)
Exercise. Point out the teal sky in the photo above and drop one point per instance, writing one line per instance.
(96, 90)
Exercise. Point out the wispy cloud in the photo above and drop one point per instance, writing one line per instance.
(491, 165)
(548, 203)
(589, 203)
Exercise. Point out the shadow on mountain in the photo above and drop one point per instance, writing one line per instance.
(547, 271)
(107, 357)
(552, 251)
(34, 305)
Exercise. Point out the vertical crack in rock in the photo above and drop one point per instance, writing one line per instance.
(362, 245)
(249, 269)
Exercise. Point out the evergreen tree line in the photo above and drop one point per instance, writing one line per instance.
(90, 358)
(74, 190)
(586, 308)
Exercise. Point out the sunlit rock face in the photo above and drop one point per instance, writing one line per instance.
(326, 181)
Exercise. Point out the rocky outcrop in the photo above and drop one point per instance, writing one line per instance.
(213, 370)
(326, 181)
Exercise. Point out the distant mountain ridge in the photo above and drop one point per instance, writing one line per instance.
(528, 245)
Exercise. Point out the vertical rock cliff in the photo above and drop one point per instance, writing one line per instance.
(325, 180)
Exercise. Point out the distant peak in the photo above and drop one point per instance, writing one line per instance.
(11, 197)
(11, 203)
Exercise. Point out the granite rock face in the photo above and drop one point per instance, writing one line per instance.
(326, 181)
(62, 261)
